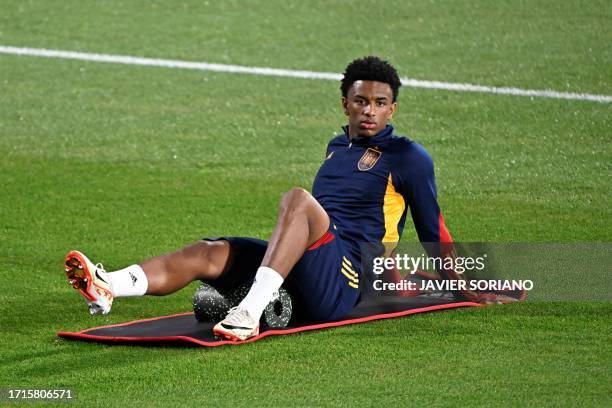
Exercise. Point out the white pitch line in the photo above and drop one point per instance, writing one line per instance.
(205, 66)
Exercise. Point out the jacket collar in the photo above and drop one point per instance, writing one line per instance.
(379, 139)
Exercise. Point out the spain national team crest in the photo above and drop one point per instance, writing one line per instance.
(369, 159)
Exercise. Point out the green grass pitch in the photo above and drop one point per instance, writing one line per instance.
(126, 162)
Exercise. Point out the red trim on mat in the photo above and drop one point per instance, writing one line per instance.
(83, 334)
(325, 239)
(135, 321)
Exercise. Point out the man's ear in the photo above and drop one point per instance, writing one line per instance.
(393, 108)
(344, 102)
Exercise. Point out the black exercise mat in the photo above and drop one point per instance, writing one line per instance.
(185, 329)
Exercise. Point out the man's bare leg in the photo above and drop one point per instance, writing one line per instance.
(161, 275)
(171, 272)
(301, 222)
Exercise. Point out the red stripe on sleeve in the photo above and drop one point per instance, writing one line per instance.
(445, 236)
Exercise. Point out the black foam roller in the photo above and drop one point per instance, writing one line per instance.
(212, 305)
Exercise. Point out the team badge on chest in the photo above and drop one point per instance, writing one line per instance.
(369, 159)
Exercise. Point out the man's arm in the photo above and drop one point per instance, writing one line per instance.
(417, 184)
(419, 190)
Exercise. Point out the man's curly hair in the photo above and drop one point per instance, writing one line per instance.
(370, 69)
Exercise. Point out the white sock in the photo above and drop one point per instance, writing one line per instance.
(130, 281)
(264, 290)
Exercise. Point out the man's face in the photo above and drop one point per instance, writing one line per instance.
(369, 106)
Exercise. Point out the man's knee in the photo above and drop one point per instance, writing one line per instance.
(296, 199)
(209, 257)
